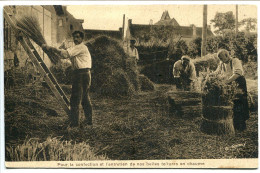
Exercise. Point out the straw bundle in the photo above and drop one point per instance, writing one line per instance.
(216, 93)
(217, 99)
(30, 26)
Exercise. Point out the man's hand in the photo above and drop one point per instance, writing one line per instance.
(46, 47)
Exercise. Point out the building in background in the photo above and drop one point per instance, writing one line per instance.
(57, 25)
(163, 29)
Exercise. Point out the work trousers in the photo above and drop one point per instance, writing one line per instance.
(81, 81)
(240, 107)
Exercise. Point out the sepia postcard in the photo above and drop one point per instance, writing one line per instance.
(130, 85)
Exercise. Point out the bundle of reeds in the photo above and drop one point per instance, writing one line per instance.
(217, 105)
(216, 92)
(30, 26)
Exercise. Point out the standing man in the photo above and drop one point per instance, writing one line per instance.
(232, 68)
(81, 77)
(184, 73)
(132, 51)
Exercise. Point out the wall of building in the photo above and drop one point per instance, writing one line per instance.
(66, 24)
(53, 33)
(47, 21)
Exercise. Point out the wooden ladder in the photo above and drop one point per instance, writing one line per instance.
(39, 63)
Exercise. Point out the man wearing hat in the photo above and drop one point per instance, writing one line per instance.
(184, 73)
(132, 51)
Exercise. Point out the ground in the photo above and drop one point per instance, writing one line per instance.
(127, 128)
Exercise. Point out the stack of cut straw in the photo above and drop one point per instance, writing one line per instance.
(30, 26)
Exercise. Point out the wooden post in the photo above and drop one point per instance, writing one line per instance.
(204, 31)
(123, 27)
(236, 19)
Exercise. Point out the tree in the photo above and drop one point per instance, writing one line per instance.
(223, 21)
(249, 23)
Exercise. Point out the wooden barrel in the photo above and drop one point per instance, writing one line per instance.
(217, 120)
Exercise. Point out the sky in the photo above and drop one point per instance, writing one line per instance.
(110, 17)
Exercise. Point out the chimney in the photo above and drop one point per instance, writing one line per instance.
(194, 30)
(151, 22)
(129, 22)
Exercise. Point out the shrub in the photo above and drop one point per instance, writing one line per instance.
(177, 49)
(152, 51)
(195, 47)
(243, 46)
(210, 61)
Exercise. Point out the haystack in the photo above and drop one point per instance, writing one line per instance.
(146, 84)
(114, 73)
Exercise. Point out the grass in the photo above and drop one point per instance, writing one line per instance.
(52, 149)
(137, 128)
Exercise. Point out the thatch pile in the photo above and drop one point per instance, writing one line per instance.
(217, 106)
(114, 73)
(216, 93)
(29, 25)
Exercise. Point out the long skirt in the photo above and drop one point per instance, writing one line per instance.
(240, 107)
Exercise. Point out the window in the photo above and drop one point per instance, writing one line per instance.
(71, 27)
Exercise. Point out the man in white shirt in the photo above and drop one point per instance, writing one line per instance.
(184, 73)
(132, 51)
(81, 79)
(232, 68)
